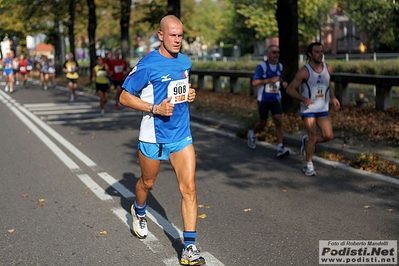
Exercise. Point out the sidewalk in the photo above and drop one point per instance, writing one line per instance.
(350, 150)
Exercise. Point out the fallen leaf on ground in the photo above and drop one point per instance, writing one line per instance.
(103, 232)
(390, 210)
(24, 195)
(11, 231)
(200, 206)
(202, 216)
(41, 200)
(366, 207)
(284, 190)
(248, 210)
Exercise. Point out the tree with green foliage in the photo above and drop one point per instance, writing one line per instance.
(378, 19)
(261, 17)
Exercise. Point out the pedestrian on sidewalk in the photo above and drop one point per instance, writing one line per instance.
(100, 77)
(119, 70)
(267, 79)
(315, 81)
(159, 87)
(70, 68)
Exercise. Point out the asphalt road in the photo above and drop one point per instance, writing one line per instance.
(67, 177)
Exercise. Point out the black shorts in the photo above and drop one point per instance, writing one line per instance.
(265, 107)
(117, 83)
(102, 87)
(73, 80)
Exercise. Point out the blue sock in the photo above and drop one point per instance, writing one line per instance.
(189, 238)
(140, 210)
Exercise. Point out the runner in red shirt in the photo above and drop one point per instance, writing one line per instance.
(23, 69)
(119, 69)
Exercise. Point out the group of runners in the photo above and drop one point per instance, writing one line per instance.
(109, 72)
(16, 69)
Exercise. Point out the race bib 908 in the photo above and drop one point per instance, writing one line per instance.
(178, 90)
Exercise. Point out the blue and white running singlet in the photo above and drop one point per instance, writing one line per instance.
(8, 70)
(268, 92)
(317, 88)
(154, 79)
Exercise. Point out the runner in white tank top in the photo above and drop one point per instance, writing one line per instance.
(316, 93)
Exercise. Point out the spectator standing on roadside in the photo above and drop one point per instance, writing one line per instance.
(118, 69)
(315, 82)
(159, 87)
(70, 68)
(268, 80)
(100, 77)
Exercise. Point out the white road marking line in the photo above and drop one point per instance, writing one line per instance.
(158, 219)
(59, 105)
(164, 224)
(90, 115)
(117, 185)
(210, 260)
(94, 187)
(150, 241)
(86, 160)
(85, 121)
(46, 140)
(69, 111)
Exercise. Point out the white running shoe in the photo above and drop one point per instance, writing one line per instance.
(139, 224)
(191, 256)
(309, 170)
(71, 98)
(6, 88)
(102, 113)
(305, 139)
(281, 152)
(251, 139)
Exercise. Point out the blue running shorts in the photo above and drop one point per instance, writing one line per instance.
(162, 151)
(321, 114)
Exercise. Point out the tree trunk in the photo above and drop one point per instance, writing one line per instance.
(124, 23)
(287, 20)
(57, 45)
(92, 33)
(71, 26)
(174, 8)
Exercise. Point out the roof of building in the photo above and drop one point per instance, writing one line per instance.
(44, 47)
